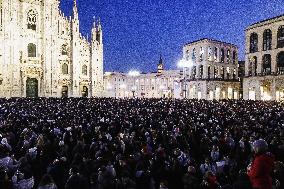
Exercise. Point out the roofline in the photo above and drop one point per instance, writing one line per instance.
(212, 40)
(265, 20)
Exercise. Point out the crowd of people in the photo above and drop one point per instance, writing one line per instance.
(107, 143)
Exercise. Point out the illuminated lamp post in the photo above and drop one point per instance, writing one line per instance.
(134, 74)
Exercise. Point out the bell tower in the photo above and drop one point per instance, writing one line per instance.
(161, 65)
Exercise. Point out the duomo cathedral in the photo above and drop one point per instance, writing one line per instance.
(43, 54)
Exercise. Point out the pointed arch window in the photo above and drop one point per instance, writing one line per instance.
(280, 37)
(64, 69)
(267, 39)
(84, 70)
(32, 20)
(31, 50)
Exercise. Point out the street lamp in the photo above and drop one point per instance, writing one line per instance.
(133, 74)
(184, 64)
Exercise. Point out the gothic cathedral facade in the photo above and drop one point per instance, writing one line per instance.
(43, 54)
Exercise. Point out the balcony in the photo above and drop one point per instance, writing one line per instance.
(279, 72)
(213, 79)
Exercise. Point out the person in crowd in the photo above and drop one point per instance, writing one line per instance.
(47, 182)
(190, 179)
(134, 143)
(262, 166)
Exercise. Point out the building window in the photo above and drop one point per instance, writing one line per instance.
(201, 54)
(280, 37)
(267, 38)
(228, 56)
(31, 20)
(64, 69)
(64, 50)
(234, 57)
(210, 53)
(201, 71)
(253, 43)
(228, 73)
(187, 55)
(235, 74)
(253, 66)
(222, 72)
(193, 55)
(250, 68)
(193, 71)
(266, 64)
(222, 56)
(215, 72)
(84, 70)
(31, 50)
(280, 63)
(215, 53)
(209, 72)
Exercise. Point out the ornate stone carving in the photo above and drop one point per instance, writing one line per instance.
(32, 71)
(85, 82)
(64, 82)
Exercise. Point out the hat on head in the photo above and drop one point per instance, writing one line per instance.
(260, 146)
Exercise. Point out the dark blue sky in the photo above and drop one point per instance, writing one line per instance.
(136, 32)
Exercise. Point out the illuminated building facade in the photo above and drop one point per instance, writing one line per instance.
(160, 84)
(211, 71)
(43, 54)
(264, 60)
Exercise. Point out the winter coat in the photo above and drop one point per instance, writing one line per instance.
(260, 171)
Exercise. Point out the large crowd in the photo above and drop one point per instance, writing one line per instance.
(106, 143)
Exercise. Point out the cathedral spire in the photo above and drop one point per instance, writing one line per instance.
(99, 24)
(75, 10)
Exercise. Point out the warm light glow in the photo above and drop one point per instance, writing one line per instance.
(108, 86)
(266, 96)
(184, 64)
(108, 73)
(134, 73)
(251, 95)
(123, 86)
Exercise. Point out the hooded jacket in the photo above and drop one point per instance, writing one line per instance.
(260, 171)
